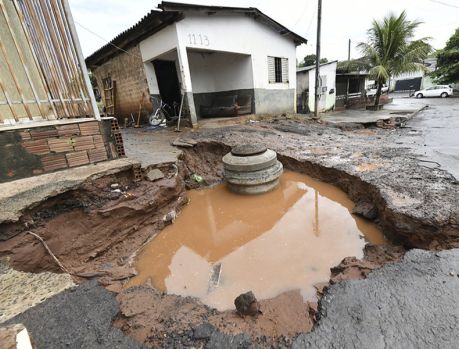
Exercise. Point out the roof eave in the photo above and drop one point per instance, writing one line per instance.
(255, 13)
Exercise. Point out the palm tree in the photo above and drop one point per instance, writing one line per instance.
(391, 50)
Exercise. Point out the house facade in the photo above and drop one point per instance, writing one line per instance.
(416, 80)
(213, 56)
(305, 87)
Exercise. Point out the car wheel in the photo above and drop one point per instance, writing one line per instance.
(444, 95)
(419, 95)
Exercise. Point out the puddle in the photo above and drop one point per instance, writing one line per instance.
(225, 244)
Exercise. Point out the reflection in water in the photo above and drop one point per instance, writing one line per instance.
(224, 244)
(316, 213)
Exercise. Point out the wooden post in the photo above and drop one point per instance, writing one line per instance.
(21, 57)
(79, 52)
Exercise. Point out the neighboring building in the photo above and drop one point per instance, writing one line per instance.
(305, 87)
(416, 80)
(350, 89)
(48, 115)
(215, 56)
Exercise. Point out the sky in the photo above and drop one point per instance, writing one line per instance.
(341, 20)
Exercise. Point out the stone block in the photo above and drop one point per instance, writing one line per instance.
(68, 130)
(83, 143)
(77, 158)
(37, 147)
(97, 155)
(154, 175)
(60, 145)
(89, 128)
(43, 133)
(53, 162)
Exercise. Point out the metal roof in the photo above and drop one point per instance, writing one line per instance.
(170, 13)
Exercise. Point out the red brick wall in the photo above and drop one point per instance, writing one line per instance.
(33, 151)
(128, 72)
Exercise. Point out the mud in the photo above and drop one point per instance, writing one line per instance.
(157, 319)
(96, 237)
(224, 244)
(95, 233)
(416, 206)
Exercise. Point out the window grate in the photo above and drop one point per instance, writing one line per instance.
(277, 70)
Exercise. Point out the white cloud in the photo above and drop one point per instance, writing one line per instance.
(342, 19)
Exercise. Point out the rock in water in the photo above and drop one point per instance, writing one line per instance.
(366, 210)
(247, 304)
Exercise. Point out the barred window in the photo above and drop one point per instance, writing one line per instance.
(277, 70)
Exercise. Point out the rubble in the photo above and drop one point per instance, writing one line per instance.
(247, 304)
(154, 175)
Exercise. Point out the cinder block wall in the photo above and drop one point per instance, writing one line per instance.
(128, 72)
(34, 151)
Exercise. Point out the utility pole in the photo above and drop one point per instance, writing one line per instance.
(348, 62)
(349, 51)
(319, 22)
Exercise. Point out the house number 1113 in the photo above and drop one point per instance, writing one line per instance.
(198, 39)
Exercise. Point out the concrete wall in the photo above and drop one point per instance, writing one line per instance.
(302, 91)
(28, 152)
(230, 33)
(328, 75)
(127, 69)
(227, 34)
(219, 71)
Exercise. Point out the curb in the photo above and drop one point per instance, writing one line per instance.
(412, 115)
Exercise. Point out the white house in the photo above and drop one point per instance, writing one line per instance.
(305, 87)
(215, 56)
(414, 80)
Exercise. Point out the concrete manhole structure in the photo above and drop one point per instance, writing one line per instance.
(252, 169)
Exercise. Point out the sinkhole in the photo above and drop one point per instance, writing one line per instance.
(224, 244)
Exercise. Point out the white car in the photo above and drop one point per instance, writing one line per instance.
(442, 91)
(372, 91)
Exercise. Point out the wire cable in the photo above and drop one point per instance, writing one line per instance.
(444, 3)
(107, 41)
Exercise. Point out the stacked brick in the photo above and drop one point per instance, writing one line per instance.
(66, 146)
(127, 69)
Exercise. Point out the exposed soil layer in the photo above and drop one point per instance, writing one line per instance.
(94, 231)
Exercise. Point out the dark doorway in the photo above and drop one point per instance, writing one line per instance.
(168, 83)
(408, 84)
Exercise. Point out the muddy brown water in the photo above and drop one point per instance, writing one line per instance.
(224, 244)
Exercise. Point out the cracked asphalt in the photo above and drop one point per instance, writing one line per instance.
(433, 133)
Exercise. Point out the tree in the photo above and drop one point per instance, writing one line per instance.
(448, 61)
(311, 60)
(390, 49)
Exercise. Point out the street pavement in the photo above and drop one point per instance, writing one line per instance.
(434, 133)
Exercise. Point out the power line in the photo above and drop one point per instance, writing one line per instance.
(311, 20)
(444, 3)
(301, 16)
(107, 41)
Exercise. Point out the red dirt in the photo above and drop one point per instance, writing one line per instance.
(100, 241)
(352, 268)
(148, 316)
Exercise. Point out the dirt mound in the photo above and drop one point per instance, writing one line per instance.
(155, 318)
